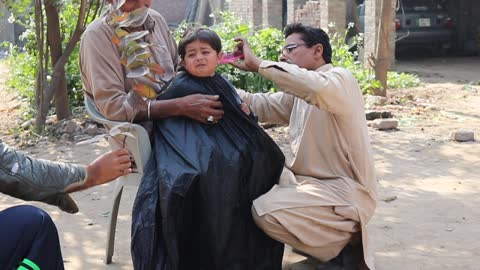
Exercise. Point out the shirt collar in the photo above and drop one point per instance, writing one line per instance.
(325, 68)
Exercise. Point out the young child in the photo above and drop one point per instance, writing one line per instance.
(193, 207)
(200, 51)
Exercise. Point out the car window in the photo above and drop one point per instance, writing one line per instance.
(423, 5)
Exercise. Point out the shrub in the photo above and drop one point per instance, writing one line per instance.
(265, 42)
(23, 70)
(342, 56)
(23, 61)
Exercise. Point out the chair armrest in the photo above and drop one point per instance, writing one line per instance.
(139, 146)
(96, 115)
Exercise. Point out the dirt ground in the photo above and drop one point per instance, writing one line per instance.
(427, 215)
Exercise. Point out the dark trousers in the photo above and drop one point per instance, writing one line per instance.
(28, 240)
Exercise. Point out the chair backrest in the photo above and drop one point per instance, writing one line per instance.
(139, 146)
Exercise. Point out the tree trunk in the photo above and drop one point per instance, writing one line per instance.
(40, 87)
(58, 70)
(55, 42)
(382, 59)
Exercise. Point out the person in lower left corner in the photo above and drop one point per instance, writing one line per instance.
(28, 237)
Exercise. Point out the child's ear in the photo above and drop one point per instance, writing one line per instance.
(220, 57)
(181, 65)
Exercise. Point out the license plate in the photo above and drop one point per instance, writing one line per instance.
(424, 22)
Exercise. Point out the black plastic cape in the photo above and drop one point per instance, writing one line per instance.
(193, 206)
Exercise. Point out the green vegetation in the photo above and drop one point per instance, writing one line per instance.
(22, 79)
(23, 61)
(343, 57)
(265, 42)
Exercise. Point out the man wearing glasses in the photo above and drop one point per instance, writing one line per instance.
(327, 191)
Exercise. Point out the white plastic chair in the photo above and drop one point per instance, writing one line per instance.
(140, 148)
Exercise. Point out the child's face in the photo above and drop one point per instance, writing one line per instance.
(201, 59)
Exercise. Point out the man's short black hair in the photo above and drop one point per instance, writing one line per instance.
(202, 34)
(312, 36)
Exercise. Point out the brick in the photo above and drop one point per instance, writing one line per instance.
(385, 124)
(462, 136)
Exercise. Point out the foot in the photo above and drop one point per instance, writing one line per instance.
(350, 258)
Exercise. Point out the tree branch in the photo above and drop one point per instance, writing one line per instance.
(56, 76)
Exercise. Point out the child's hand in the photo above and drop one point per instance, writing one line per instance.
(244, 108)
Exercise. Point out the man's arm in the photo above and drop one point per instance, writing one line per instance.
(32, 179)
(272, 108)
(102, 74)
(328, 88)
(104, 169)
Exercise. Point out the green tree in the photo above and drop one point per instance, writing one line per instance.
(53, 46)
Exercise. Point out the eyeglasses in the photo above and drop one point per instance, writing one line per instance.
(287, 49)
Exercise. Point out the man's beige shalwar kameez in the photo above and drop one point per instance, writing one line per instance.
(327, 191)
(104, 77)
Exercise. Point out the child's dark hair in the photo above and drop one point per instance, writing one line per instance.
(202, 34)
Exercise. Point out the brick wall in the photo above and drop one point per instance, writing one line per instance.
(248, 10)
(323, 12)
(269, 12)
(272, 13)
(333, 11)
(293, 5)
(309, 13)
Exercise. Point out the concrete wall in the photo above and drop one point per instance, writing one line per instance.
(174, 12)
(7, 30)
(217, 4)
